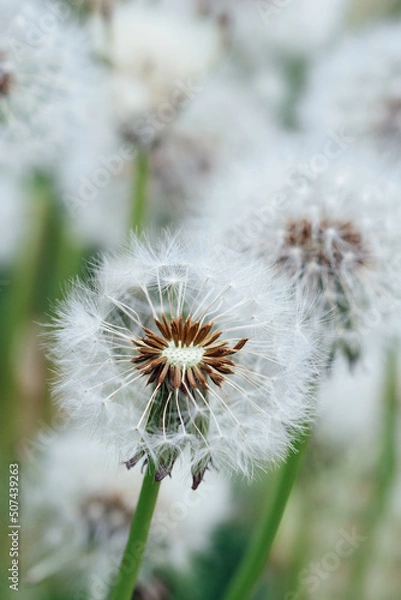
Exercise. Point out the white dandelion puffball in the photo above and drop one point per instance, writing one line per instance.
(331, 226)
(357, 87)
(159, 60)
(184, 347)
(49, 85)
(83, 505)
(203, 140)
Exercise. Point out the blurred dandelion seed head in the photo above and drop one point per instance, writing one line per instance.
(105, 515)
(357, 86)
(84, 505)
(322, 247)
(161, 77)
(334, 232)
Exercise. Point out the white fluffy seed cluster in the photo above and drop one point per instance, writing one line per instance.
(234, 414)
(357, 86)
(80, 506)
(333, 232)
(46, 76)
(159, 59)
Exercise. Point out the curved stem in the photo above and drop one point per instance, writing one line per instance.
(140, 191)
(135, 548)
(256, 558)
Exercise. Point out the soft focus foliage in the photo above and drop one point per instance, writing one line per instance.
(234, 166)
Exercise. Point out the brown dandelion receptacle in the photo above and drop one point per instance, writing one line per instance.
(317, 244)
(107, 514)
(186, 355)
(328, 258)
(182, 361)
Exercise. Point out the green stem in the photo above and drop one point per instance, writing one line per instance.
(258, 553)
(386, 471)
(140, 191)
(135, 548)
(18, 312)
(69, 256)
(301, 547)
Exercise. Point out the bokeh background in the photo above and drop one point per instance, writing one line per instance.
(120, 115)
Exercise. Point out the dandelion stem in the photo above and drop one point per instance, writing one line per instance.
(69, 258)
(258, 553)
(140, 191)
(135, 548)
(18, 311)
(386, 470)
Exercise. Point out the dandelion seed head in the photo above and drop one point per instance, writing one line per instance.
(149, 77)
(84, 506)
(330, 233)
(325, 246)
(193, 345)
(47, 76)
(356, 87)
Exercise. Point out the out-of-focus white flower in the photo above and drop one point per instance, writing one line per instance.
(159, 60)
(54, 114)
(82, 504)
(49, 86)
(333, 230)
(185, 347)
(357, 87)
(252, 55)
(224, 123)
